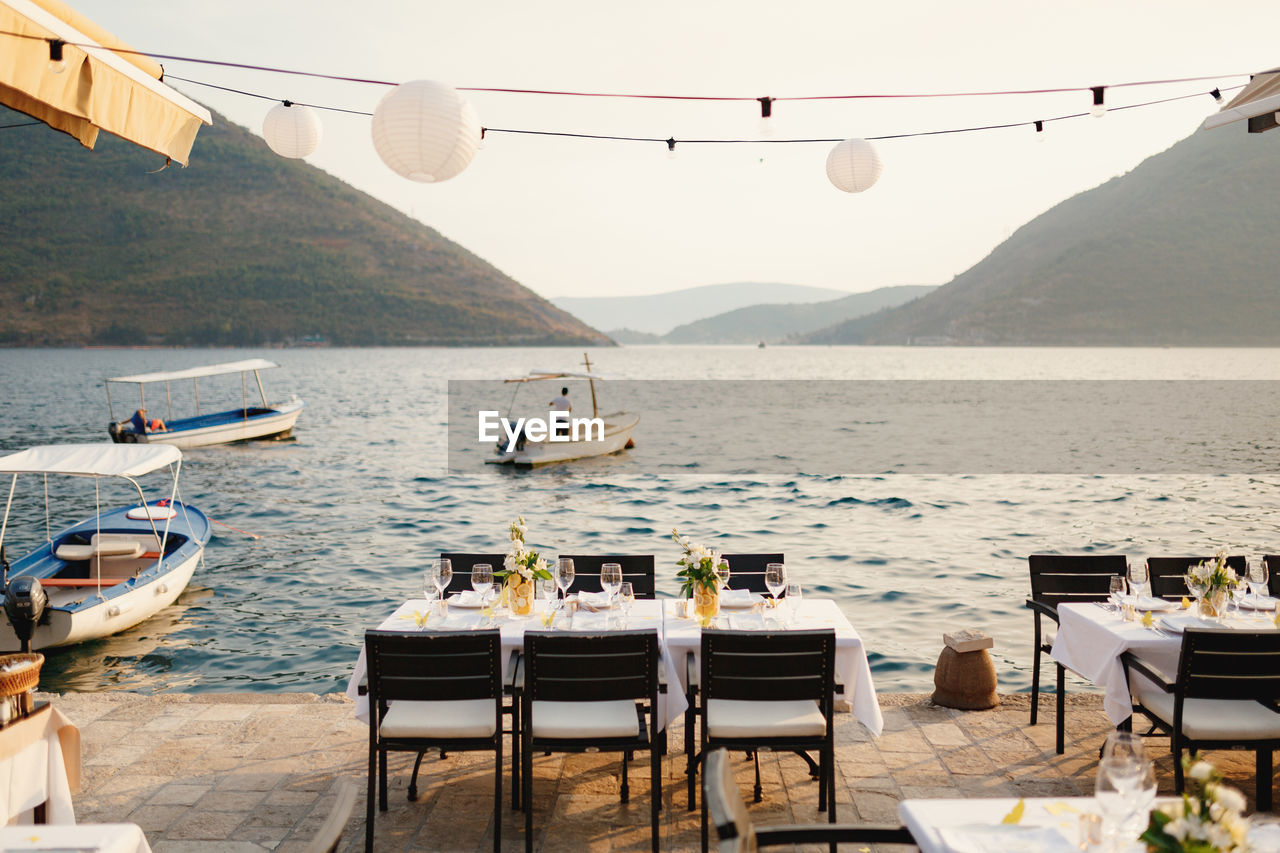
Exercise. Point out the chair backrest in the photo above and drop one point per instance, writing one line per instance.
(1229, 664)
(1273, 573)
(765, 665)
(433, 666)
(1068, 578)
(581, 667)
(330, 833)
(636, 568)
(746, 571)
(725, 808)
(461, 565)
(1168, 573)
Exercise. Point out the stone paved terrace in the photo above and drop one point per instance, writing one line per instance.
(248, 772)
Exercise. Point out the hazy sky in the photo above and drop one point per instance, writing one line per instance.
(578, 218)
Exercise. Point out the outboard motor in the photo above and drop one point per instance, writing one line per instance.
(113, 430)
(24, 603)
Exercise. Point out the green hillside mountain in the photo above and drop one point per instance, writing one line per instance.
(777, 322)
(241, 248)
(1179, 251)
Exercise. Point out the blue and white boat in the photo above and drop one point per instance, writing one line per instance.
(244, 423)
(110, 571)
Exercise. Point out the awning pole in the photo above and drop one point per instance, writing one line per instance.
(168, 396)
(258, 377)
(244, 396)
(110, 409)
(197, 384)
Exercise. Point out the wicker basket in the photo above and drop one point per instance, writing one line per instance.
(16, 681)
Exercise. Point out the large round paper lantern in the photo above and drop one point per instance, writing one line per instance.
(853, 165)
(292, 130)
(425, 131)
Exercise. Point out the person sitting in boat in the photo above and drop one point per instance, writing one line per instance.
(561, 404)
(142, 426)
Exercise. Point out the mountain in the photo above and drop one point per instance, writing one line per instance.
(777, 322)
(241, 248)
(1180, 251)
(659, 313)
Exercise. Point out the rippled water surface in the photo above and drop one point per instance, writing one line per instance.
(346, 514)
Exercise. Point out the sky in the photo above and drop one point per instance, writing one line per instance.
(568, 217)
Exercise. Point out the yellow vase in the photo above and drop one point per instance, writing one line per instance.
(1213, 604)
(519, 595)
(706, 603)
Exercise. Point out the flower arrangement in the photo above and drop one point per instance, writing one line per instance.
(520, 561)
(1213, 575)
(1207, 820)
(700, 566)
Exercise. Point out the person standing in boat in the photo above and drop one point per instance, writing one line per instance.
(561, 404)
(142, 426)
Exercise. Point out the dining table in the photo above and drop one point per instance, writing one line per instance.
(39, 768)
(1045, 825)
(1092, 636)
(75, 838)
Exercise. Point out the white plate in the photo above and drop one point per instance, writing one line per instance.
(740, 602)
(469, 600)
(1177, 622)
(1265, 602)
(1008, 838)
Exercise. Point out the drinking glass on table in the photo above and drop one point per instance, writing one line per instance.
(795, 594)
(564, 575)
(611, 579)
(626, 598)
(1139, 579)
(1257, 578)
(1114, 792)
(775, 578)
(1142, 799)
(482, 580)
(1116, 590)
(441, 573)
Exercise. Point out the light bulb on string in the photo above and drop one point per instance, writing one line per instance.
(481, 146)
(1099, 108)
(1216, 94)
(56, 63)
(766, 116)
(1039, 130)
(671, 148)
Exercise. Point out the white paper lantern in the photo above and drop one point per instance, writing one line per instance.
(425, 131)
(853, 165)
(292, 130)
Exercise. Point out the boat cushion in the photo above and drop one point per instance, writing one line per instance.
(153, 512)
(462, 718)
(104, 548)
(1212, 719)
(571, 720)
(70, 552)
(735, 718)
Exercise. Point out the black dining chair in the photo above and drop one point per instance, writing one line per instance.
(433, 691)
(461, 564)
(768, 690)
(1064, 579)
(636, 568)
(746, 571)
(729, 815)
(1273, 573)
(591, 693)
(1168, 574)
(1226, 696)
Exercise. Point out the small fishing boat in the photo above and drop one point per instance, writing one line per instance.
(110, 571)
(573, 443)
(200, 430)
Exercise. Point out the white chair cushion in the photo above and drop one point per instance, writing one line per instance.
(616, 718)
(1211, 719)
(70, 552)
(735, 718)
(463, 718)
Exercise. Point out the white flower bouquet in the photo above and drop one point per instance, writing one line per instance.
(1207, 820)
(520, 561)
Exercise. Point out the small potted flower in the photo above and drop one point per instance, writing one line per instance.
(703, 572)
(1212, 581)
(1206, 820)
(520, 567)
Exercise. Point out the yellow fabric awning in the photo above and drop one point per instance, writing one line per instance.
(1260, 97)
(100, 89)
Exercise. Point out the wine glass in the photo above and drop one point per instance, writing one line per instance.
(611, 579)
(482, 580)
(441, 574)
(1258, 576)
(626, 598)
(1113, 792)
(1116, 590)
(795, 594)
(775, 578)
(1142, 798)
(1124, 746)
(564, 575)
(722, 570)
(1139, 579)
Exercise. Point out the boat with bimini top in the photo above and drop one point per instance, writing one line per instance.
(110, 571)
(202, 429)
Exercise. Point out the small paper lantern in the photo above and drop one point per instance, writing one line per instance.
(853, 165)
(292, 130)
(425, 131)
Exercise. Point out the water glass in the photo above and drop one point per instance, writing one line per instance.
(1139, 579)
(1143, 799)
(722, 571)
(1258, 576)
(441, 573)
(1114, 789)
(1116, 590)
(564, 575)
(1124, 746)
(795, 594)
(775, 578)
(611, 579)
(482, 580)
(626, 598)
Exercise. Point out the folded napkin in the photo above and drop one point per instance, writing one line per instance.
(747, 621)
(738, 598)
(1146, 602)
(1262, 602)
(1008, 838)
(585, 620)
(1177, 622)
(593, 601)
(466, 598)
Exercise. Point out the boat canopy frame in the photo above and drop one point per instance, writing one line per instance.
(195, 374)
(545, 375)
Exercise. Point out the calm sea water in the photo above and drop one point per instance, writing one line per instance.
(347, 514)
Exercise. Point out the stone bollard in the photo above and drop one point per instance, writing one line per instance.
(965, 677)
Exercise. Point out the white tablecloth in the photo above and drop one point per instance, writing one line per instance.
(644, 614)
(1091, 639)
(39, 763)
(1059, 818)
(84, 838)
(683, 636)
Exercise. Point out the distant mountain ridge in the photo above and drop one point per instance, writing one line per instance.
(1181, 251)
(659, 313)
(241, 248)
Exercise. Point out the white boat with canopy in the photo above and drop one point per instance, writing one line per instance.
(201, 429)
(110, 571)
(574, 444)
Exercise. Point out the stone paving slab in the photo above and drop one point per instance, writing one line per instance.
(243, 773)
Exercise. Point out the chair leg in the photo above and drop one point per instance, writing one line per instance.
(1175, 744)
(515, 754)
(1035, 674)
(497, 790)
(1062, 705)
(526, 782)
(655, 790)
(757, 793)
(626, 788)
(413, 780)
(690, 755)
(1263, 783)
(369, 810)
(382, 779)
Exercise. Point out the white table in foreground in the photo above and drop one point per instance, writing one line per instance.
(852, 668)
(644, 614)
(1057, 819)
(80, 838)
(39, 765)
